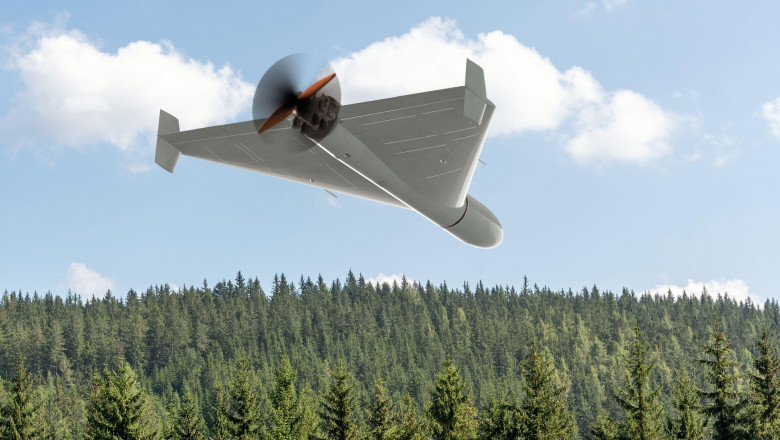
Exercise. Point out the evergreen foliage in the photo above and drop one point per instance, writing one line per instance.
(544, 415)
(764, 417)
(118, 407)
(239, 409)
(450, 414)
(725, 400)
(188, 422)
(688, 423)
(337, 412)
(21, 415)
(381, 414)
(643, 418)
(192, 337)
(292, 417)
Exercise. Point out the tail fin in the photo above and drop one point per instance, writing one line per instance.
(167, 155)
(475, 100)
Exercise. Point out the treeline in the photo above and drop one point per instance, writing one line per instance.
(190, 341)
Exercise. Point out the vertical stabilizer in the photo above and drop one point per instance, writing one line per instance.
(166, 155)
(475, 100)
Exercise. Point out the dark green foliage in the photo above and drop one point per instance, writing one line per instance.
(21, 415)
(499, 420)
(239, 408)
(687, 421)
(543, 412)
(764, 413)
(605, 428)
(292, 417)
(118, 408)
(643, 413)
(450, 414)
(381, 414)
(337, 412)
(724, 401)
(194, 335)
(410, 427)
(188, 422)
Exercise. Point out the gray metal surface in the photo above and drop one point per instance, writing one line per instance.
(424, 138)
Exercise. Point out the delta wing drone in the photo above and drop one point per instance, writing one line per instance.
(416, 151)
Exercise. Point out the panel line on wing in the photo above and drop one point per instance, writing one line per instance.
(466, 137)
(446, 172)
(252, 155)
(412, 139)
(388, 120)
(440, 110)
(402, 108)
(420, 149)
(460, 129)
(214, 154)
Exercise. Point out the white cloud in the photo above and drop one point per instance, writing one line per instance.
(389, 279)
(737, 289)
(74, 93)
(625, 127)
(529, 92)
(86, 282)
(771, 112)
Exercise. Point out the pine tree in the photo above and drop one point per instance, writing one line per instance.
(219, 409)
(291, 414)
(605, 428)
(764, 417)
(724, 406)
(543, 413)
(410, 427)
(450, 414)
(643, 413)
(499, 419)
(381, 414)
(689, 423)
(21, 415)
(118, 408)
(337, 413)
(241, 408)
(188, 422)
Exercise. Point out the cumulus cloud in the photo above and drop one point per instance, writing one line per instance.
(771, 112)
(529, 92)
(737, 289)
(87, 282)
(74, 93)
(389, 279)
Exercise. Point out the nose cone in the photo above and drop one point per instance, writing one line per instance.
(478, 227)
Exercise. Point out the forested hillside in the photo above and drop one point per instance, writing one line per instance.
(200, 339)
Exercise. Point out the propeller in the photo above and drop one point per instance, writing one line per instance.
(298, 84)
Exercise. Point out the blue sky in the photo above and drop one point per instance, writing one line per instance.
(634, 143)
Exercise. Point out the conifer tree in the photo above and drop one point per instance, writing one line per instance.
(689, 423)
(188, 422)
(337, 410)
(543, 413)
(118, 408)
(380, 414)
(764, 417)
(219, 409)
(21, 415)
(498, 419)
(241, 408)
(291, 414)
(724, 400)
(643, 413)
(410, 427)
(605, 428)
(450, 414)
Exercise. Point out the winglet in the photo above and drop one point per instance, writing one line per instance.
(166, 155)
(475, 100)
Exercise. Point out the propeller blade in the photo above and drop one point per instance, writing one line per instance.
(276, 117)
(314, 88)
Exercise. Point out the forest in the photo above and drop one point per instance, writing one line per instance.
(412, 360)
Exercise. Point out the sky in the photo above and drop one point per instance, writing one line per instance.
(634, 144)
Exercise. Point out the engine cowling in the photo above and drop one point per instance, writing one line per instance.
(478, 226)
